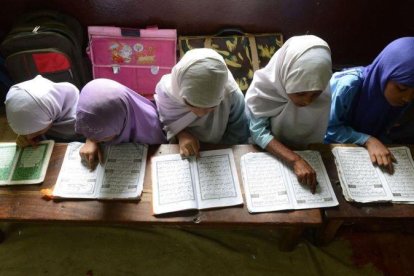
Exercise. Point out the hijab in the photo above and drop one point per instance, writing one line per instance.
(302, 64)
(34, 105)
(201, 79)
(107, 108)
(372, 114)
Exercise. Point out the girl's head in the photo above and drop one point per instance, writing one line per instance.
(305, 68)
(110, 112)
(101, 112)
(392, 73)
(397, 94)
(33, 106)
(199, 79)
(387, 87)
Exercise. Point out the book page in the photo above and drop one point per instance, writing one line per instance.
(401, 182)
(217, 180)
(359, 178)
(9, 153)
(324, 195)
(31, 164)
(172, 184)
(123, 175)
(264, 183)
(75, 179)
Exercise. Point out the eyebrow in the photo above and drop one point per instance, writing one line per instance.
(402, 87)
(185, 101)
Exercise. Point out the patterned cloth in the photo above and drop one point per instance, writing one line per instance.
(243, 54)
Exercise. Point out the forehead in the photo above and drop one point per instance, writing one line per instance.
(401, 84)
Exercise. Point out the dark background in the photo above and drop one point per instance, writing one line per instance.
(356, 30)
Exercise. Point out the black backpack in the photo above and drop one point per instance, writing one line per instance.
(47, 43)
(5, 82)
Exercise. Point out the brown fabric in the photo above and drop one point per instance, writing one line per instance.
(81, 250)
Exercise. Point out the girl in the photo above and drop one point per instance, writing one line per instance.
(200, 101)
(367, 100)
(112, 113)
(40, 107)
(288, 102)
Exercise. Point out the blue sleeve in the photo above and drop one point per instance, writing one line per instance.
(237, 131)
(260, 130)
(344, 89)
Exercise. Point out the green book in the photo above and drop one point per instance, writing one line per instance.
(24, 165)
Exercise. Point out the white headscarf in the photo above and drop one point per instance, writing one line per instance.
(33, 105)
(200, 78)
(302, 64)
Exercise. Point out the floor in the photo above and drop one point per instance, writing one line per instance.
(33, 249)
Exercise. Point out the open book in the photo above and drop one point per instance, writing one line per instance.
(121, 176)
(361, 181)
(24, 165)
(270, 185)
(207, 182)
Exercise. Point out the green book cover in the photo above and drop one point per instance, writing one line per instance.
(24, 166)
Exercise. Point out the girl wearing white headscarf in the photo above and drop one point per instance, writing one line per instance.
(201, 101)
(289, 101)
(41, 107)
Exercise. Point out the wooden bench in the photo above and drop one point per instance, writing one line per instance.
(383, 214)
(25, 204)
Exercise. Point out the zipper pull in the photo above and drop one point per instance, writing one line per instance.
(70, 73)
(36, 29)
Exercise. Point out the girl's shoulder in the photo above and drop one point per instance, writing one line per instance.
(347, 80)
(352, 74)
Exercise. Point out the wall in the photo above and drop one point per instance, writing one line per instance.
(356, 30)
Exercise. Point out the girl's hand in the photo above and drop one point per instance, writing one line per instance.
(189, 145)
(21, 141)
(305, 173)
(380, 154)
(91, 154)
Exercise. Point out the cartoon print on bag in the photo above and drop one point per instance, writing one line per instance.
(146, 56)
(121, 53)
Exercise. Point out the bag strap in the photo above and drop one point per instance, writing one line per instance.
(253, 51)
(207, 42)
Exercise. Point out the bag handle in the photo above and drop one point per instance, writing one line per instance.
(230, 31)
(41, 14)
(130, 32)
(136, 32)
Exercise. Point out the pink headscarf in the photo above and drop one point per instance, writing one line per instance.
(107, 108)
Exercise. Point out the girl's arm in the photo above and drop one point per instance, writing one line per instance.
(261, 135)
(343, 93)
(237, 131)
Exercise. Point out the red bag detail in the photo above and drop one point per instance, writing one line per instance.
(51, 62)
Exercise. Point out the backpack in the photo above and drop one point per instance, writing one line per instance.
(136, 58)
(47, 43)
(5, 82)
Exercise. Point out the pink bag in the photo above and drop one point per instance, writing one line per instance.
(137, 58)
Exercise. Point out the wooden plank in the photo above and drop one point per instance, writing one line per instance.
(362, 213)
(24, 203)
